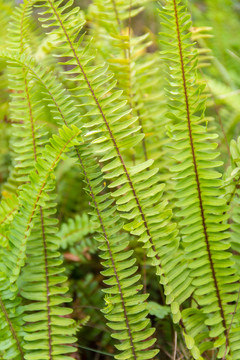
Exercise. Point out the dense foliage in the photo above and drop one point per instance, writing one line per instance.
(120, 170)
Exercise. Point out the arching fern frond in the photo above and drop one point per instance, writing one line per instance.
(39, 181)
(198, 190)
(47, 320)
(128, 310)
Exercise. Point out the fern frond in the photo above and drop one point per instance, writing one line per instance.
(45, 316)
(45, 296)
(75, 229)
(198, 190)
(34, 194)
(128, 310)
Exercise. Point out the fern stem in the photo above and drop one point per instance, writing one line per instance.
(109, 130)
(111, 257)
(196, 173)
(14, 334)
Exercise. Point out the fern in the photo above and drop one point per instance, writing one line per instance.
(134, 331)
(167, 232)
(45, 316)
(198, 188)
(97, 73)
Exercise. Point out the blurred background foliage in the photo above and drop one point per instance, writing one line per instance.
(218, 24)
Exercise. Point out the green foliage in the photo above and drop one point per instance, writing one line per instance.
(119, 225)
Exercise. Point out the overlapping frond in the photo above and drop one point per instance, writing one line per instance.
(34, 194)
(202, 214)
(36, 208)
(47, 319)
(126, 308)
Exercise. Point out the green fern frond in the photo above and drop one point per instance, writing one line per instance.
(128, 310)
(198, 189)
(75, 229)
(45, 316)
(41, 248)
(40, 180)
(44, 296)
